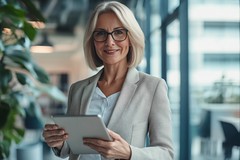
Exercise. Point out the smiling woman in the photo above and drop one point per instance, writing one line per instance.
(134, 34)
(110, 51)
(133, 105)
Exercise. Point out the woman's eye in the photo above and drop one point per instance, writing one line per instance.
(118, 32)
(101, 33)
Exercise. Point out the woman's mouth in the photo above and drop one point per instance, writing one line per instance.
(111, 51)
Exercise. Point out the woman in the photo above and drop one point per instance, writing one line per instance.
(133, 105)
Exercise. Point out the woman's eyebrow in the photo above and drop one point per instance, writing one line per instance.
(101, 29)
(118, 28)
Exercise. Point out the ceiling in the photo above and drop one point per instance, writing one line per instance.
(64, 15)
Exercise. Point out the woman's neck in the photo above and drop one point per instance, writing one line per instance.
(112, 80)
(111, 74)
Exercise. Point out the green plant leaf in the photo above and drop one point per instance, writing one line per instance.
(2, 47)
(10, 120)
(10, 10)
(17, 98)
(4, 148)
(13, 100)
(15, 134)
(25, 42)
(29, 30)
(11, 16)
(18, 51)
(23, 79)
(14, 54)
(4, 112)
(53, 92)
(18, 58)
(33, 11)
(33, 118)
(20, 110)
(22, 60)
(6, 77)
(18, 134)
(42, 75)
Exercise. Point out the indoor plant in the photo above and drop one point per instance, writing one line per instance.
(21, 79)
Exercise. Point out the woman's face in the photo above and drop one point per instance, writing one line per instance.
(110, 51)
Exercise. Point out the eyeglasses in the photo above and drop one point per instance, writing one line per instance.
(118, 35)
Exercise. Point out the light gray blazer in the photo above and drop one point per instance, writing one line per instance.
(142, 109)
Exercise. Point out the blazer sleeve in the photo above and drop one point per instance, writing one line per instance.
(160, 129)
(65, 150)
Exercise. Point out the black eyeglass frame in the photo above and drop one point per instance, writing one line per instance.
(111, 33)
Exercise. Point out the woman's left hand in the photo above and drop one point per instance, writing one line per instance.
(116, 149)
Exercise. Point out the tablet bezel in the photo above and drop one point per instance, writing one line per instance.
(82, 126)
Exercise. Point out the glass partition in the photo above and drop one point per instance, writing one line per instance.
(172, 4)
(214, 74)
(173, 78)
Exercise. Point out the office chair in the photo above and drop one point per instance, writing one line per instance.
(232, 138)
(204, 133)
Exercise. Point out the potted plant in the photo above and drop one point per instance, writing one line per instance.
(22, 80)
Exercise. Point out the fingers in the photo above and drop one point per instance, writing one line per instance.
(51, 126)
(55, 132)
(102, 147)
(57, 144)
(56, 138)
(102, 143)
(106, 152)
(118, 148)
(97, 142)
(54, 135)
(56, 141)
(114, 135)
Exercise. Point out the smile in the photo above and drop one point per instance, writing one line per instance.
(111, 51)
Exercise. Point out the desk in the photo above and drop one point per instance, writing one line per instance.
(219, 111)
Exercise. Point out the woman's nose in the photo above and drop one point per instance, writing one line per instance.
(110, 41)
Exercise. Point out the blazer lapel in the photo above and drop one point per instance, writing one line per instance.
(87, 93)
(125, 97)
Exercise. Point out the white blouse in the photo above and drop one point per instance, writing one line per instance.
(103, 106)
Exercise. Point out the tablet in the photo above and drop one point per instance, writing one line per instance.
(79, 127)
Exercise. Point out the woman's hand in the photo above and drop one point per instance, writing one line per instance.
(54, 135)
(117, 149)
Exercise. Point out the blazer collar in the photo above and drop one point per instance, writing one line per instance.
(132, 76)
(127, 92)
(88, 91)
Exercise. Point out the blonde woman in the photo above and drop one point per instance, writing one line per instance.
(133, 105)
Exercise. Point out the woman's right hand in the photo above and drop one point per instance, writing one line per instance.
(54, 136)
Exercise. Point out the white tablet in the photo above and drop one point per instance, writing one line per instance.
(79, 127)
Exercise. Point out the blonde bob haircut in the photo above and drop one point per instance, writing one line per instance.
(129, 22)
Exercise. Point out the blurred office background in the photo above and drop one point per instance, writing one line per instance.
(193, 44)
